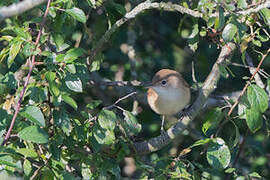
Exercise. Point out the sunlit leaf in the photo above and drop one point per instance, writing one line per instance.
(73, 83)
(107, 119)
(67, 99)
(34, 134)
(33, 114)
(229, 32)
(77, 14)
(130, 124)
(13, 51)
(257, 98)
(218, 154)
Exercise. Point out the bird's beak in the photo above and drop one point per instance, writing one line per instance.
(148, 85)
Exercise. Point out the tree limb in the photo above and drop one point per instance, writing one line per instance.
(208, 87)
(165, 6)
(18, 8)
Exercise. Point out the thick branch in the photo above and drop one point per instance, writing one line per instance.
(18, 8)
(160, 6)
(209, 86)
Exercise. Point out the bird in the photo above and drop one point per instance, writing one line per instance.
(168, 94)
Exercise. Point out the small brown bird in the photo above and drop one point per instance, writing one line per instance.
(168, 93)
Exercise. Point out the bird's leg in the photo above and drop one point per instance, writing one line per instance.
(162, 123)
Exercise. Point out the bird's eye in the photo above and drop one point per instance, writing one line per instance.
(163, 82)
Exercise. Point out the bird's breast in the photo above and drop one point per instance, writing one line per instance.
(167, 101)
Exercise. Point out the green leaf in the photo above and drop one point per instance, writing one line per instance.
(212, 120)
(218, 154)
(223, 71)
(200, 142)
(257, 98)
(220, 19)
(254, 175)
(71, 68)
(27, 152)
(265, 13)
(77, 14)
(107, 119)
(62, 120)
(34, 134)
(237, 134)
(70, 101)
(94, 104)
(73, 83)
(254, 119)
(27, 167)
(256, 43)
(230, 170)
(130, 124)
(103, 136)
(13, 51)
(33, 114)
(229, 32)
(50, 76)
(73, 54)
(8, 161)
(242, 4)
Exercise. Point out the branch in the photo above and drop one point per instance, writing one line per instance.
(252, 71)
(18, 8)
(208, 87)
(132, 14)
(253, 10)
(165, 6)
(31, 65)
(250, 79)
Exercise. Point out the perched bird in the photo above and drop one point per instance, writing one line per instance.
(168, 94)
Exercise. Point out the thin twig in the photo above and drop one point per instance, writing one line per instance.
(246, 86)
(31, 65)
(121, 99)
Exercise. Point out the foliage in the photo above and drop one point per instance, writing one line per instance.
(68, 126)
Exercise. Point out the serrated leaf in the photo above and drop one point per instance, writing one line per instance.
(77, 14)
(254, 119)
(130, 124)
(229, 32)
(73, 83)
(218, 154)
(33, 114)
(34, 134)
(257, 98)
(107, 119)
(70, 101)
(13, 51)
